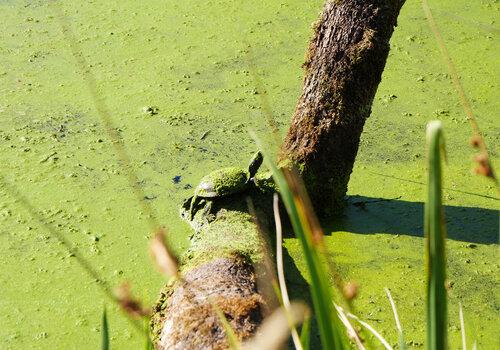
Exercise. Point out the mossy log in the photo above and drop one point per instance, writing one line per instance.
(222, 267)
(185, 317)
(343, 68)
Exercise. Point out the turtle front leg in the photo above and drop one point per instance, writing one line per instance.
(186, 208)
(192, 209)
(186, 205)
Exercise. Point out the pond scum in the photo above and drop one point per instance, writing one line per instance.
(339, 327)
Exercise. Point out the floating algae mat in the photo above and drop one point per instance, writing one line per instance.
(177, 78)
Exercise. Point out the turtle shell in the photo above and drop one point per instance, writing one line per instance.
(222, 182)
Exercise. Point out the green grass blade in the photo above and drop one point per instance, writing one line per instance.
(104, 331)
(320, 289)
(331, 330)
(232, 339)
(435, 233)
(305, 334)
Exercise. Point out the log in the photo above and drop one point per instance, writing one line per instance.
(222, 267)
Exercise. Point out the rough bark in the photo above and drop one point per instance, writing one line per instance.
(222, 267)
(187, 315)
(343, 69)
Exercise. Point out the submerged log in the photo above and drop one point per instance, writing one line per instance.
(343, 68)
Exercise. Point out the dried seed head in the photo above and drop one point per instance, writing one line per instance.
(275, 330)
(483, 165)
(351, 290)
(484, 170)
(481, 158)
(130, 305)
(164, 259)
(475, 141)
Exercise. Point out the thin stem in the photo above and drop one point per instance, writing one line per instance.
(478, 136)
(462, 326)
(105, 116)
(394, 310)
(350, 329)
(372, 330)
(84, 263)
(281, 270)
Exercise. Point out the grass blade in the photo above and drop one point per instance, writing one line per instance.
(305, 333)
(104, 331)
(104, 113)
(435, 233)
(402, 344)
(148, 344)
(462, 326)
(331, 330)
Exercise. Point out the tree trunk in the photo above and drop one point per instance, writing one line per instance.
(343, 69)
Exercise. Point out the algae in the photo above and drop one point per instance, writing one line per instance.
(191, 59)
(222, 182)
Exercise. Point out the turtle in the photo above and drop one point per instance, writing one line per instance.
(223, 182)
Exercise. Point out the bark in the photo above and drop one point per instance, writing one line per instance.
(224, 266)
(188, 318)
(343, 69)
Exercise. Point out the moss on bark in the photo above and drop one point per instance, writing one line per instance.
(343, 69)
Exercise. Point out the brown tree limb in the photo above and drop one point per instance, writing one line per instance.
(343, 68)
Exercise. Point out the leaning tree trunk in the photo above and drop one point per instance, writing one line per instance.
(343, 69)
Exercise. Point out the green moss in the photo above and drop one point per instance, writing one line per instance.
(223, 182)
(231, 231)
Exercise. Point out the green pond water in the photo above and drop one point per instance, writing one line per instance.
(195, 61)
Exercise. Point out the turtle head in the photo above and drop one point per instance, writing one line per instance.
(255, 164)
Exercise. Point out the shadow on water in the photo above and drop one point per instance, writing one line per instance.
(365, 215)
